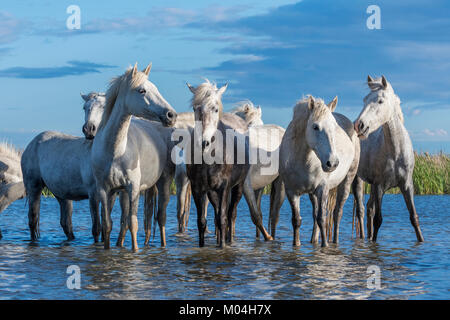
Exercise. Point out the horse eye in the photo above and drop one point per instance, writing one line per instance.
(142, 90)
(315, 127)
(380, 101)
(216, 110)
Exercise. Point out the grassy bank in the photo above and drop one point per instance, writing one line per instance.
(431, 176)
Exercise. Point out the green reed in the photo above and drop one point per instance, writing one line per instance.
(430, 176)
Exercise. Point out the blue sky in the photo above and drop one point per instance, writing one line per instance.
(272, 53)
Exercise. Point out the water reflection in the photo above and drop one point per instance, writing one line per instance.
(248, 269)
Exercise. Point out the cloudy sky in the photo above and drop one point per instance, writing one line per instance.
(271, 52)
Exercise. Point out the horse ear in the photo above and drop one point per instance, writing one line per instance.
(332, 105)
(222, 90)
(85, 97)
(310, 103)
(147, 70)
(134, 71)
(190, 87)
(258, 109)
(369, 79)
(384, 82)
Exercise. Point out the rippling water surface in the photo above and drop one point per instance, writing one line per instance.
(249, 269)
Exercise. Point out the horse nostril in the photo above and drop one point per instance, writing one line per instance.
(93, 128)
(213, 139)
(328, 164)
(361, 125)
(205, 144)
(169, 114)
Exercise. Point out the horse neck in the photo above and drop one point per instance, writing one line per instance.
(394, 132)
(115, 131)
(302, 149)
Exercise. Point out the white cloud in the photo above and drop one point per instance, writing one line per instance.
(10, 27)
(435, 132)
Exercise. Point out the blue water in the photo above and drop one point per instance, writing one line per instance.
(249, 269)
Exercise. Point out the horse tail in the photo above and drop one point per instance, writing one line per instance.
(331, 205)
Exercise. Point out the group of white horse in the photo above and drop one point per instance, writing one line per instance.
(128, 148)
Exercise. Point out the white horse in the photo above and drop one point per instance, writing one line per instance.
(387, 157)
(61, 163)
(11, 181)
(130, 158)
(266, 139)
(316, 155)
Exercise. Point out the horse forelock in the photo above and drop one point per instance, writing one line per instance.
(206, 94)
(247, 111)
(377, 85)
(302, 112)
(125, 81)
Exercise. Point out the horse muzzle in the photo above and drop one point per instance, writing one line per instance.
(361, 129)
(330, 165)
(169, 119)
(89, 131)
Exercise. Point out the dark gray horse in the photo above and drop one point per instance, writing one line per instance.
(225, 178)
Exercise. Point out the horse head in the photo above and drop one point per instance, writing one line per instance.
(94, 106)
(380, 106)
(208, 108)
(320, 131)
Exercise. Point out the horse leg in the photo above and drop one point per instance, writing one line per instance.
(322, 197)
(214, 199)
(342, 194)
(182, 188)
(358, 193)
(407, 190)
(378, 218)
(370, 213)
(124, 208)
(149, 208)
(315, 208)
(205, 210)
(163, 186)
(106, 217)
(223, 218)
(294, 201)
(277, 194)
(258, 196)
(34, 197)
(199, 199)
(133, 194)
(236, 195)
(65, 219)
(95, 216)
(254, 212)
